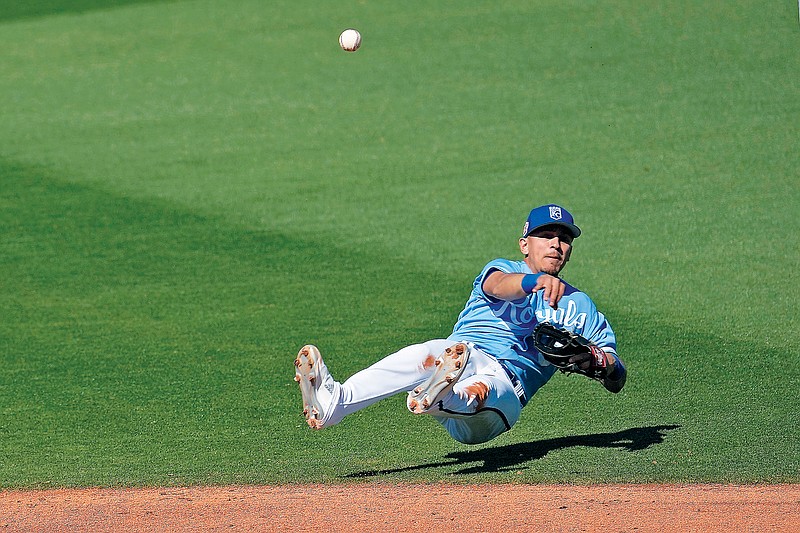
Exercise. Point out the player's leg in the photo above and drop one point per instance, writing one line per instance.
(399, 372)
(326, 401)
(482, 405)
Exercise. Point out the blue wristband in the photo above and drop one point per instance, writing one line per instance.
(529, 282)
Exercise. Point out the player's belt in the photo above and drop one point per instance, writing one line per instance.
(515, 382)
(518, 389)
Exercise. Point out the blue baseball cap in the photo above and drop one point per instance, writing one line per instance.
(548, 215)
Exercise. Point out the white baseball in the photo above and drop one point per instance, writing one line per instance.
(350, 40)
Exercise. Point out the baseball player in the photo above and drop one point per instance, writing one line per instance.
(476, 381)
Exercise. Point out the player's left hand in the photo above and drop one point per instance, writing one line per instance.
(570, 352)
(595, 359)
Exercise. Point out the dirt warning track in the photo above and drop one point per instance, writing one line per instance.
(408, 507)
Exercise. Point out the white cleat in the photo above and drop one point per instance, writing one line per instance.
(449, 367)
(311, 373)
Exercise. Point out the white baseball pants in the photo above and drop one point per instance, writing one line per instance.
(467, 420)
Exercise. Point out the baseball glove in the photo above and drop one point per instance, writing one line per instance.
(569, 352)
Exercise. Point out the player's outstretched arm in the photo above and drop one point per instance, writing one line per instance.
(613, 373)
(504, 286)
(615, 379)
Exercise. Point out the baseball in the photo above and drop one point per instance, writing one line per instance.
(350, 40)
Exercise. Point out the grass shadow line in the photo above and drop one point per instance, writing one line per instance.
(45, 8)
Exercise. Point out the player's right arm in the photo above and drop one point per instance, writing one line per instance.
(505, 286)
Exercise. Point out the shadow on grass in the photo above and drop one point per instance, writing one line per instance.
(509, 457)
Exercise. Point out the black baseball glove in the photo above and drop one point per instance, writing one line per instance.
(570, 352)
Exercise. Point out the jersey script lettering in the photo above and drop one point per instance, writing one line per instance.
(569, 317)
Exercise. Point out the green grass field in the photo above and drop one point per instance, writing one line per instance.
(192, 190)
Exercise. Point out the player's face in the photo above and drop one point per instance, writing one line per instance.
(547, 249)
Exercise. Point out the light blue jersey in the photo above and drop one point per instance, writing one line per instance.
(502, 329)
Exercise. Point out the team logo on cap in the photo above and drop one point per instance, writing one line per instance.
(555, 212)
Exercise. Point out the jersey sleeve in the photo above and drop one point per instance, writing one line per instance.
(496, 265)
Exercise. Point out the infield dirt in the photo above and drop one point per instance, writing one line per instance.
(407, 507)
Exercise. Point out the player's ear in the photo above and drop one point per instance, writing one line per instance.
(568, 254)
(523, 246)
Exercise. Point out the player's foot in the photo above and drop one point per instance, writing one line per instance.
(449, 367)
(319, 390)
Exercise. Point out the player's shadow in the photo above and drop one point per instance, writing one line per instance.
(510, 457)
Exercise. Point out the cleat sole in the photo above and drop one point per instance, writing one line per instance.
(450, 366)
(306, 363)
